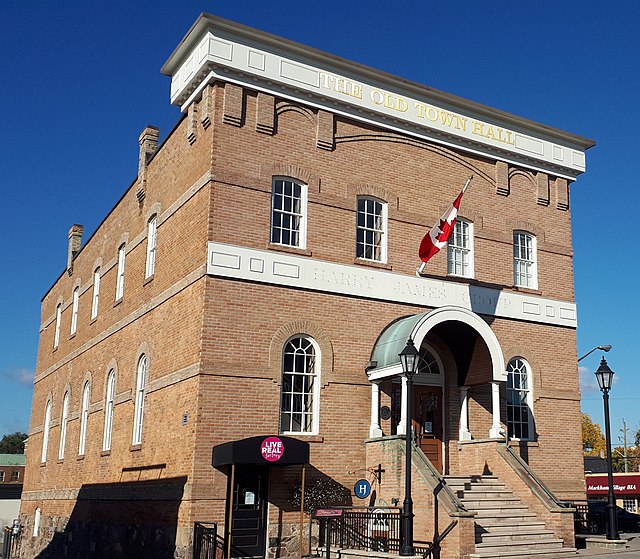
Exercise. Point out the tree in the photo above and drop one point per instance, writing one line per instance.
(13, 443)
(593, 441)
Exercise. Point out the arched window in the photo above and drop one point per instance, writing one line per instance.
(84, 417)
(519, 400)
(138, 417)
(120, 278)
(151, 247)
(300, 386)
(64, 420)
(96, 293)
(56, 336)
(460, 250)
(371, 229)
(36, 522)
(108, 410)
(45, 431)
(74, 310)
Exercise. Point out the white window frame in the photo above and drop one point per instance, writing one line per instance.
(37, 517)
(528, 402)
(368, 230)
(109, 408)
(283, 214)
(95, 299)
(138, 417)
(525, 266)
(315, 392)
(56, 336)
(64, 422)
(74, 310)
(84, 417)
(122, 255)
(152, 234)
(46, 429)
(460, 250)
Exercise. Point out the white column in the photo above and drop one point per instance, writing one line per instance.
(465, 434)
(402, 426)
(496, 429)
(375, 429)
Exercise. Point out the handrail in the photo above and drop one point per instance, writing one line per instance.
(534, 476)
(436, 542)
(441, 484)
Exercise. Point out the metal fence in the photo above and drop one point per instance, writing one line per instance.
(205, 540)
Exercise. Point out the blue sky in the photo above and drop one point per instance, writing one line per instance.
(80, 80)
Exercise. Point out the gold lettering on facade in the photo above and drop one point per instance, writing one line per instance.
(341, 85)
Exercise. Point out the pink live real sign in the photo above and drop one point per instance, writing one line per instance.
(272, 449)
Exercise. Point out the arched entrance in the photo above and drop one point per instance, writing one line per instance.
(458, 352)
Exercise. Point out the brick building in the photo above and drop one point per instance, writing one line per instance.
(250, 292)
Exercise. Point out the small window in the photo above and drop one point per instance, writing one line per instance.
(64, 420)
(138, 418)
(15, 475)
(371, 229)
(525, 272)
(1, 475)
(151, 247)
(74, 310)
(108, 410)
(288, 213)
(36, 522)
(96, 293)
(629, 504)
(299, 396)
(519, 400)
(56, 336)
(120, 278)
(460, 250)
(45, 432)
(84, 417)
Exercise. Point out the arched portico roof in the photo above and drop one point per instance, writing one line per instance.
(393, 338)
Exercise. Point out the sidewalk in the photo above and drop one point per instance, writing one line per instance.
(630, 551)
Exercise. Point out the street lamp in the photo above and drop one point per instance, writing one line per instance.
(409, 360)
(604, 375)
(604, 348)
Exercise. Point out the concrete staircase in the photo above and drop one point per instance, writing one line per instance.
(505, 527)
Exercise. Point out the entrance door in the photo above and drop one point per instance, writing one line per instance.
(249, 522)
(427, 422)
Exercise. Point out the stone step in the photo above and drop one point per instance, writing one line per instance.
(478, 503)
(484, 494)
(504, 516)
(528, 554)
(528, 543)
(507, 536)
(501, 528)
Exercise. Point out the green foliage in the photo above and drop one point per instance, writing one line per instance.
(13, 443)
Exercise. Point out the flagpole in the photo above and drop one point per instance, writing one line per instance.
(464, 189)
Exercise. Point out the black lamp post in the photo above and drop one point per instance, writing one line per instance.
(605, 378)
(604, 348)
(409, 361)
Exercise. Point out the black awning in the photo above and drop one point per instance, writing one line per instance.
(266, 450)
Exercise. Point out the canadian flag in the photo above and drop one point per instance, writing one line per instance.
(439, 234)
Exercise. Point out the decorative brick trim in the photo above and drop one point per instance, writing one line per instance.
(365, 189)
(301, 327)
(528, 226)
(233, 106)
(192, 123)
(265, 114)
(562, 194)
(154, 209)
(521, 172)
(270, 170)
(286, 106)
(325, 130)
(207, 106)
(542, 181)
(517, 350)
(502, 178)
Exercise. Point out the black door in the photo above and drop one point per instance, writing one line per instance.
(249, 523)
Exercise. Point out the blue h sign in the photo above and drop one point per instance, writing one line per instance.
(362, 488)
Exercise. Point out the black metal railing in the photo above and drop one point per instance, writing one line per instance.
(205, 540)
(367, 530)
(581, 518)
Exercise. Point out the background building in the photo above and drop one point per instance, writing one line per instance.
(250, 292)
(11, 479)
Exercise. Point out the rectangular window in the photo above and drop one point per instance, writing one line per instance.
(15, 475)
(524, 260)
(96, 294)
(288, 213)
(120, 279)
(629, 504)
(56, 336)
(151, 247)
(1, 475)
(460, 250)
(74, 310)
(371, 225)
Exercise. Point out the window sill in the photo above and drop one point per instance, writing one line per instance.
(80, 457)
(118, 301)
(93, 320)
(148, 279)
(105, 453)
(528, 290)
(524, 443)
(289, 249)
(135, 447)
(372, 264)
(60, 461)
(462, 279)
(72, 336)
(310, 438)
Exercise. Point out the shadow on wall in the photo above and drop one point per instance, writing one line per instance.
(132, 520)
